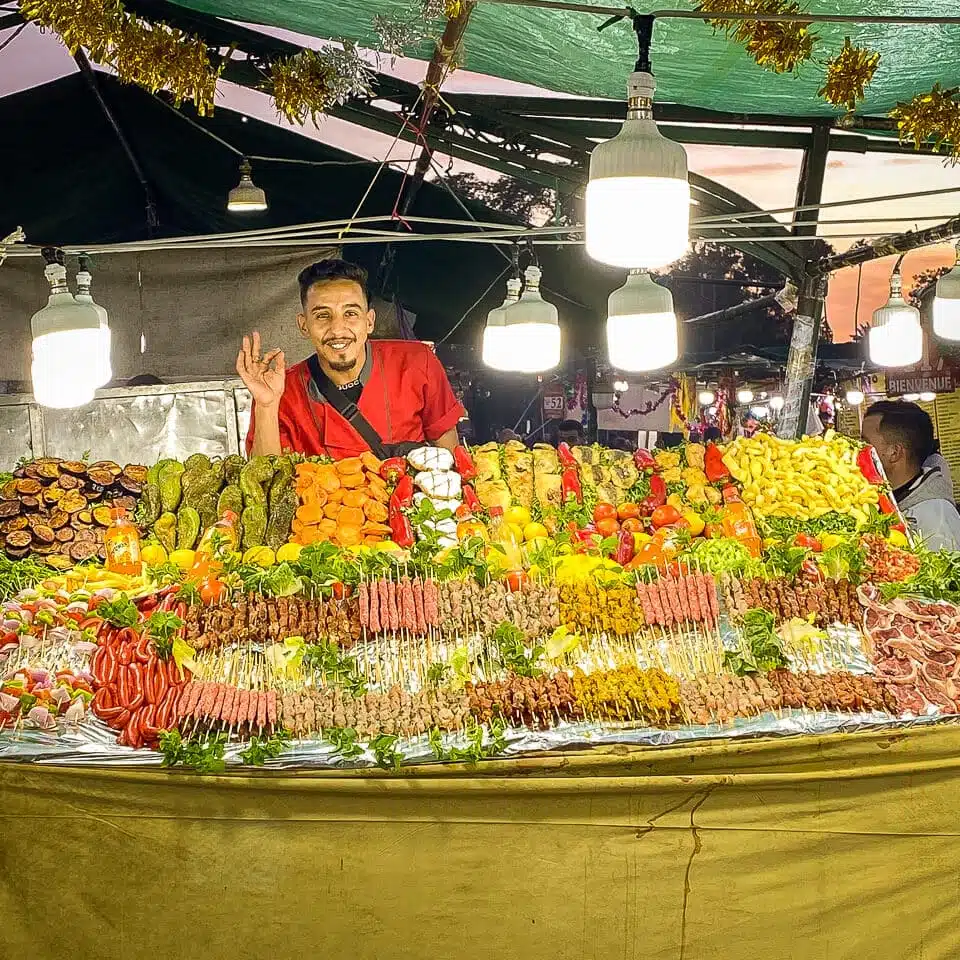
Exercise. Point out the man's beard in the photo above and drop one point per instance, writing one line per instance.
(342, 366)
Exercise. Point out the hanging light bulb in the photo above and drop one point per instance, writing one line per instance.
(895, 338)
(532, 329)
(621, 386)
(745, 396)
(946, 304)
(776, 403)
(760, 411)
(66, 343)
(641, 325)
(246, 196)
(928, 396)
(496, 350)
(638, 199)
(854, 397)
(706, 398)
(84, 280)
(911, 397)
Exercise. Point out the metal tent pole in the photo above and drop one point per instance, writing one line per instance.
(805, 337)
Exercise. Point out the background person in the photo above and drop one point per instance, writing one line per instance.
(902, 435)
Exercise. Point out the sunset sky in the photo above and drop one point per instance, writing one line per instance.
(765, 176)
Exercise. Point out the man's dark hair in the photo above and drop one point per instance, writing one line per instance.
(908, 425)
(570, 426)
(712, 434)
(324, 271)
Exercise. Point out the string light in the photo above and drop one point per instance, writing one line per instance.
(496, 350)
(854, 397)
(895, 338)
(706, 398)
(641, 325)
(66, 343)
(84, 281)
(776, 403)
(745, 396)
(637, 210)
(946, 303)
(532, 329)
(246, 196)
(928, 397)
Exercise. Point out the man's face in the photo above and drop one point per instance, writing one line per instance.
(891, 454)
(570, 437)
(337, 320)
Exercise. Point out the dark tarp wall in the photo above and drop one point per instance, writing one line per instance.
(73, 184)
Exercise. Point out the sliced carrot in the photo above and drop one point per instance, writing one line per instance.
(371, 528)
(336, 496)
(355, 498)
(370, 462)
(374, 510)
(351, 517)
(332, 510)
(349, 465)
(349, 536)
(352, 480)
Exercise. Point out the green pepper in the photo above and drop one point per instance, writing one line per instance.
(165, 530)
(253, 478)
(197, 461)
(150, 506)
(170, 487)
(232, 467)
(254, 520)
(188, 528)
(230, 499)
(282, 510)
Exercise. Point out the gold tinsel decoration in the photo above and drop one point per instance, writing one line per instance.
(848, 74)
(931, 118)
(151, 55)
(780, 47)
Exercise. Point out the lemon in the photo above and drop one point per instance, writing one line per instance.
(515, 531)
(538, 543)
(184, 559)
(535, 531)
(517, 515)
(261, 556)
(829, 540)
(898, 539)
(564, 549)
(387, 546)
(289, 553)
(153, 555)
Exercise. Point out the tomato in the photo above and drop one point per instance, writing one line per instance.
(650, 552)
(517, 580)
(713, 530)
(633, 524)
(628, 511)
(340, 590)
(212, 591)
(608, 527)
(665, 515)
(604, 511)
(808, 542)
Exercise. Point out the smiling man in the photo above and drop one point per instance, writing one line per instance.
(353, 394)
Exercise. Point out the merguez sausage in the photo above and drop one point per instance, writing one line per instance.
(363, 603)
(374, 607)
(419, 607)
(392, 607)
(261, 709)
(272, 707)
(431, 603)
(384, 589)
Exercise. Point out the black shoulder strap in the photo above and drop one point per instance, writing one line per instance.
(348, 410)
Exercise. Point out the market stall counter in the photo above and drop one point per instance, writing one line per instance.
(500, 701)
(830, 847)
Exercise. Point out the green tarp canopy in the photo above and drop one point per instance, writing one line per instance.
(562, 50)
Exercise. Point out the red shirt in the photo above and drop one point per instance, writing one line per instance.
(406, 397)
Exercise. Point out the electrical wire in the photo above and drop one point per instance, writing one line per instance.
(628, 12)
(475, 303)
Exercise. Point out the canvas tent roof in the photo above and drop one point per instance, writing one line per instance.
(561, 50)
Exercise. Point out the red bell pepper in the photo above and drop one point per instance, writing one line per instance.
(393, 468)
(868, 466)
(464, 463)
(567, 460)
(625, 548)
(885, 504)
(402, 496)
(731, 494)
(713, 465)
(570, 485)
(401, 530)
(658, 491)
(470, 500)
(643, 460)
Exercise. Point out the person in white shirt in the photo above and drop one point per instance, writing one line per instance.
(902, 435)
